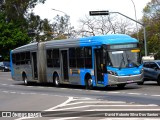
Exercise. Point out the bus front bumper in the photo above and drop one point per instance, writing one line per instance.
(112, 79)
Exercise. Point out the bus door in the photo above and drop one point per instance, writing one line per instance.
(64, 65)
(99, 65)
(34, 65)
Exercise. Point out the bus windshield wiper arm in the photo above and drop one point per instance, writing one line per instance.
(122, 61)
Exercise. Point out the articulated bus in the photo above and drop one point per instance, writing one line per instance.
(96, 61)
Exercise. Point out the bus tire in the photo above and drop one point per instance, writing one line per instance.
(141, 83)
(121, 86)
(56, 80)
(89, 83)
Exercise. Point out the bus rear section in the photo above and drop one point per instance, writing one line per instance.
(27, 63)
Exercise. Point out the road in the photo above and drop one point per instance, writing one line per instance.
(75, 101)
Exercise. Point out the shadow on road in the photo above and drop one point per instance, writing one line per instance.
(108, 88)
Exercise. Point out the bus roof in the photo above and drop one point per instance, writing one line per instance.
(76, 42)
(90, 41)
(108, 39)
(28, 47)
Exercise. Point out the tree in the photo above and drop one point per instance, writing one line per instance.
(91, 26)
(151, 18)
(61, 27)
(11, 37)
(14, 24)
(39, 29)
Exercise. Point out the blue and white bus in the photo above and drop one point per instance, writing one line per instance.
(96, 61)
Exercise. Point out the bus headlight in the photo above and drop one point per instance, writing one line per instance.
(142, 70)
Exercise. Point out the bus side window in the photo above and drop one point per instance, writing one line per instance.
(72, 57)
(22, 58)
(88, 57)
(28, 58)
(49, 58)
(13, 58)
(17, 59)
(56, 59)
(80, 57)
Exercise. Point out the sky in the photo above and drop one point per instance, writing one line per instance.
(77, 9)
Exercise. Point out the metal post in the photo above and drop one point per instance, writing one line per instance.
(145, 42)
(135, 17)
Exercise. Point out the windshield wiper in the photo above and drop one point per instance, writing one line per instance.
(122, 61)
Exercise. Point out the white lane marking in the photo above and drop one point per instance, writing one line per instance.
(93, 91)
(4, 84)
(60, 105)
(95, 102)
(22, 93)
(5, 91)
(134, 93)
(85, 106)
(74, 103)
(80, 99)
(114, 92)
(155, 95)
(29, 86)
(153, 105)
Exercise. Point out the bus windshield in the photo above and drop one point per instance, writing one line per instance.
(124, 59)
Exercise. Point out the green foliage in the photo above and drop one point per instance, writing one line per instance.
(11, 37)
(16, 24)
(151, 18)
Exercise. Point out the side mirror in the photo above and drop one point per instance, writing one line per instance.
(155, 68)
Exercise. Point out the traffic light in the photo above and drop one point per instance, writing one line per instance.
(94, 13)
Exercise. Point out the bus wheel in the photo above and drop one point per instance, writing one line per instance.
(89, 84)
(56, 81)
(141, 83)
(121, 86)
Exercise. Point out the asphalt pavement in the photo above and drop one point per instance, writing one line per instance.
(75, 102)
